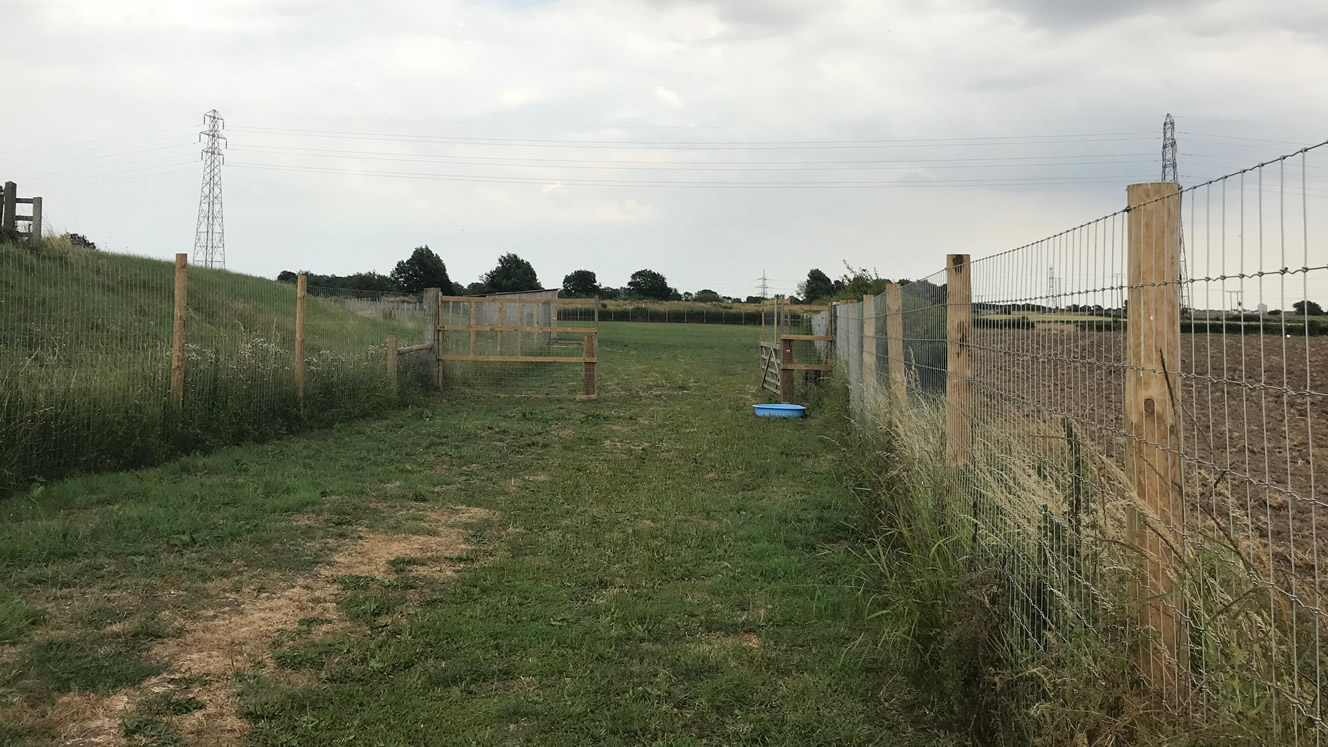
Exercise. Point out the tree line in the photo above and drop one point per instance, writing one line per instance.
(425, 269)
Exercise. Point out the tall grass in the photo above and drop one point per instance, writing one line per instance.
(85, 362)
(1006, 586)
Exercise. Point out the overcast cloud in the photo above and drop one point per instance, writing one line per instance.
(397, 87)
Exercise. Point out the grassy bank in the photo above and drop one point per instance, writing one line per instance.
(657, 567)
(85, 362)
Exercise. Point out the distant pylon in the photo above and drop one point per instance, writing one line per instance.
(1170, 173)
(210, 233)
(765, 286)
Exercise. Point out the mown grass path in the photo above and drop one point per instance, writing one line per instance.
(658, 567)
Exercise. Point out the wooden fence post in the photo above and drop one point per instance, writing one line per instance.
(36, 232)
(959, 360)
(392, 363)
(301, 290)
(472, 328)
(433, 312)
(1152, 423)
(591, 354)
(894, 340)
(785, 373)
(8, 210)
(178, 330)
(868, 349)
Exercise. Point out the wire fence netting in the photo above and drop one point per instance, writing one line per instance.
(1141, 436)
(535, 345)
(86, 360)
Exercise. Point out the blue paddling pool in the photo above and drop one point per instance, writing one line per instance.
(779, 411)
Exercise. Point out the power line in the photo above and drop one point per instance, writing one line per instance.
(209, 234)
(498, 160)
(756, 166)
(65, 146)
(710, 145)
(692, 184)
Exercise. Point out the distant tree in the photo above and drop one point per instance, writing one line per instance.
(477, 288)
(513, 274)
(81, 242)
(581, 284)
(286, 276)
(609, 294)
(858, 282)
(754, 299)
(651, 285)
(688, 296)
(818, 285)
(707, 296)
(424, 269)
(1307, 308)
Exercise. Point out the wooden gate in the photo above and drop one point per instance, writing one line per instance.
(780, 357)
(506, 342)
(770, 367)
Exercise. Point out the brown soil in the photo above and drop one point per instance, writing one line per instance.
(1254, 412)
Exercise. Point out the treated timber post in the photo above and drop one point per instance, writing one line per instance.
(868, 348)
(894, 340)
(392, 363)
(178, 331)
(472, 328)
(35, 235)
(591, 355)
(8, 210)
(433, 315)
(959, 361)
(301, 290)
(1152, 424)
(785, 373)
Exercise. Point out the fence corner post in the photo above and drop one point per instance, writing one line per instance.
(894, 340)
(959, 360)
(433, 312)
(301, 290)
(392, 363)
(1152, 424)
(178, 330)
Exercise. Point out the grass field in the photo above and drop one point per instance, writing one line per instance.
(656, 567)
(85, 355)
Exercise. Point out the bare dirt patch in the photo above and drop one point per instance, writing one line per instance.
(236, 634)
(716, 642)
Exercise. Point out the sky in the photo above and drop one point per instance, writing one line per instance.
(715, 142)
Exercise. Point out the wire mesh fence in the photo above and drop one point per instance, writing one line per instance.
(514, 345)
(88, 350)
(1133, 413)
